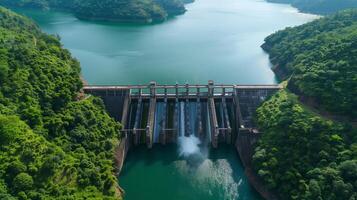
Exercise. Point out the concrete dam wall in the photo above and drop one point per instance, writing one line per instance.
(216, 114)
(154, 113)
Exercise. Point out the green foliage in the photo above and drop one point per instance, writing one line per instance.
(22, 182)
(321, 59)
(52, 145)
(302, 155)
(320, 6)
(145, 11)
(8, 132)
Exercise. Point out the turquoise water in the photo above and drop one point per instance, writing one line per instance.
(215, 39)
(161, 174)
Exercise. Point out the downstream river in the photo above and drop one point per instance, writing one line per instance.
(215, 39)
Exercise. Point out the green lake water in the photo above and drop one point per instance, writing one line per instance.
(215, 40)
(161, 174)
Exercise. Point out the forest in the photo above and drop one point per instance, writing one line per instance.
(320, 60)
(302, 155)
(322, 7)
(140, 11)
(54, 144)
(309, 150)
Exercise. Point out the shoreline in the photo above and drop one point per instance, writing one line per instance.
(119, 20)
(245, 147)
(120, 152)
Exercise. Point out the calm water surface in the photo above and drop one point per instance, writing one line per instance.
(215, 39)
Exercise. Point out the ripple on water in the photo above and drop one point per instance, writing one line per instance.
(215, 177)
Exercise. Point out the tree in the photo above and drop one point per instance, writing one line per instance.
(22, 182)
(8, 129)
(348, 170)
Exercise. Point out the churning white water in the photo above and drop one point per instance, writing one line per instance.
(188, 145)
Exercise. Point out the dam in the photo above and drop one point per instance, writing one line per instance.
(153, 113)
(216, 114)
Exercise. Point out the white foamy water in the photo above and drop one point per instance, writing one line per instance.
(211, 176)
(188, 145)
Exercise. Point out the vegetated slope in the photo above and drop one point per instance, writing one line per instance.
(302, 155)
(321, 58)
(320, 6)
(145, 11)
(52, 145)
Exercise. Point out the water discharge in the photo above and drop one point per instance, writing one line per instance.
(162, 174)
(188, 141)
(189, 145)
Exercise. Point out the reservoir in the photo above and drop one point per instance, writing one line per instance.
(214, 40)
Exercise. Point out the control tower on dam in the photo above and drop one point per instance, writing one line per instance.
(155, 113)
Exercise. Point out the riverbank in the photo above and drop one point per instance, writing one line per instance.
(316, 114)
(319, 63)
(280, 71)
(141, 12)
(120, 153)
(245, 144)
(320, 7)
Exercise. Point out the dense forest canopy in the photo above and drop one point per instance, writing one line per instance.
(52, 145)
(321, 59)
(302, 155)
(320, 6)
(145, 11)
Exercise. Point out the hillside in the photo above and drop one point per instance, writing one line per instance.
(303, 154)
(52, 145)
(320, 6)
(142, 11)
(321, 59)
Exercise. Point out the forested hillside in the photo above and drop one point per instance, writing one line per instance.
(321, 58)
(52, 145)
(303, 154)
(143, 11)
(320, 6)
